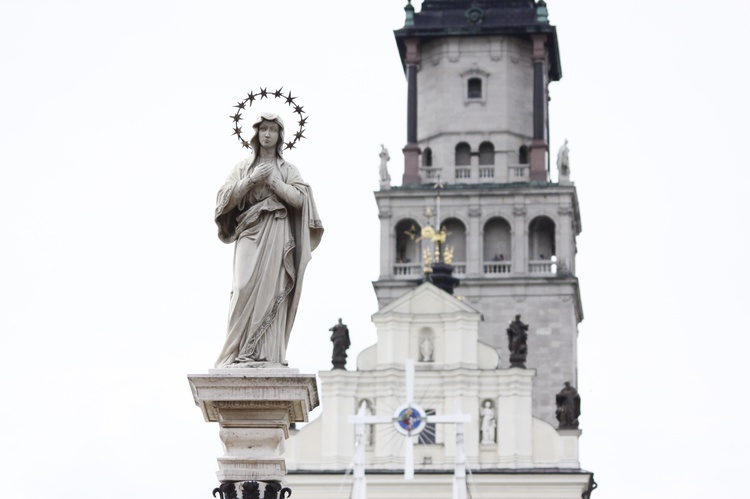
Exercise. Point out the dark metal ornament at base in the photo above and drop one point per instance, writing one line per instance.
(518, 360)
(442, 277)
(339, 362)
(252, 490)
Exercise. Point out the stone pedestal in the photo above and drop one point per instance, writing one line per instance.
(569, 448)
(254, 408)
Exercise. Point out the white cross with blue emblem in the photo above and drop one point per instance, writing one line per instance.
(409, 420)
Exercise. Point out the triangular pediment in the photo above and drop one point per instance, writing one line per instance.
(425, 300)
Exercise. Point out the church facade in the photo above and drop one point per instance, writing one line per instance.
(477, 201)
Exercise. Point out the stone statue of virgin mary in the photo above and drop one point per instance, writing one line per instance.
(268, 211)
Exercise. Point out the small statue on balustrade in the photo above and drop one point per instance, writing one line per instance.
(385, 178)
(563, 160)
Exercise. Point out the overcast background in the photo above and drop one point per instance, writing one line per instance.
(115, 136)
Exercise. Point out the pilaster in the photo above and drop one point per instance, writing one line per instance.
(411, 150)
(474, 243)
(538, 154)
(520, 241)
(387, 242)
(514, 420)
(565, 243)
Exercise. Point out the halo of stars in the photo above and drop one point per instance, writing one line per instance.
(264, 93)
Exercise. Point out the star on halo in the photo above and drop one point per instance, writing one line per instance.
(264, 93)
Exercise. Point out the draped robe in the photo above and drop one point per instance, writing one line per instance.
(274, 234)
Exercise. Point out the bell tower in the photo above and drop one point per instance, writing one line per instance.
(478, 76)
(477, 204)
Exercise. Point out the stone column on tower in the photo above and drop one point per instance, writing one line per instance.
(539, 142)
(411, 150)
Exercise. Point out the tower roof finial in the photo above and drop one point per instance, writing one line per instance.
(541, 12)
(409, 10)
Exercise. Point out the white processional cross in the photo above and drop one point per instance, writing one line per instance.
(409, 420)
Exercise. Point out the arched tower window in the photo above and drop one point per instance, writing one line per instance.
(497, 246)
(486, 153)
(427, 157)
(523, 155)
(541, 239)
(474, 88)
(463, 154)
(456, 239)
(407, 249)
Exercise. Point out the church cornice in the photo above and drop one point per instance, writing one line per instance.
(517, 18)
(477, 471)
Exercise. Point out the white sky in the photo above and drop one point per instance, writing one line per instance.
(115, 135)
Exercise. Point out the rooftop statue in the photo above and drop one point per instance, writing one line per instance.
(268, 211)
(517, 336)
(568, 407)
(341, 343)
(563, 161)
(385, 177)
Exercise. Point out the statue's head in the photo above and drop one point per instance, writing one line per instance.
(268, 119)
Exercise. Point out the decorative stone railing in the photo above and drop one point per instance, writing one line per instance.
(518, 173)
(459, 269)
(547, 267)
(486, 172)
(497, 268)
(413, 270)
(430, 172)
(463, 172)
(407, 270)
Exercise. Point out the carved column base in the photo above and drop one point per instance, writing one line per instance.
(254, 408)
(411, 164)
(538, 160)
(252, 490)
